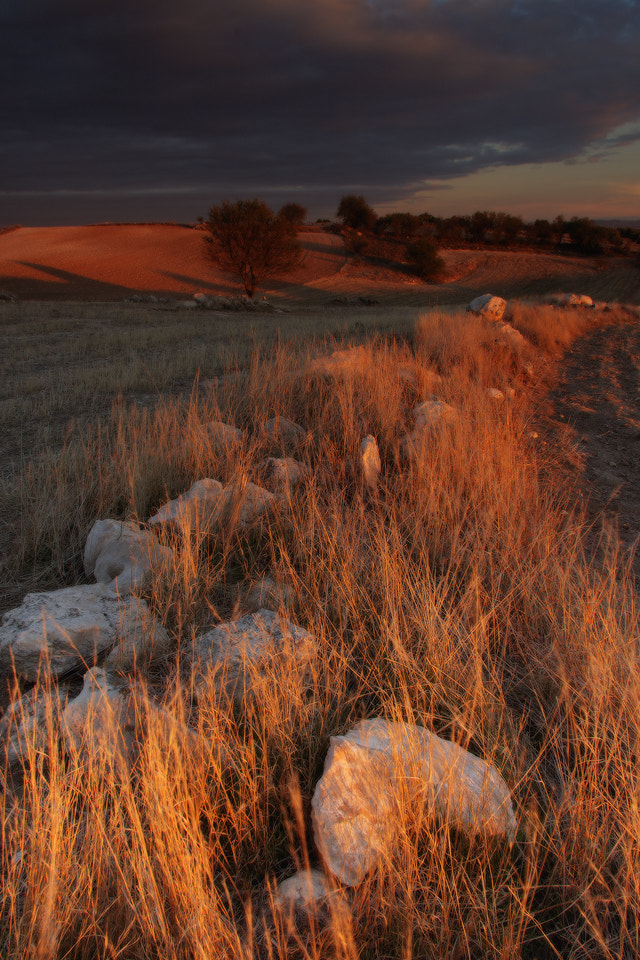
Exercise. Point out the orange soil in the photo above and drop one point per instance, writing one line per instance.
(114, 261)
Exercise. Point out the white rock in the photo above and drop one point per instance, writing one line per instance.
(379, 764)
(242, 506)
(99, 718)
(236, 653)
(280, 428)
(513, 336)
(62, 630)
(28, 723)
(494, 394)
(140, 639)
(341, 362)
(576, 300)
(194, 510)
(303, 890)
(123, 556)
(488, 306)
(281, 474)
(370, 464)
(430, 413)
(224, 435)
(268, 594)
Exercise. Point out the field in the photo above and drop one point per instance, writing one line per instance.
(480, 592)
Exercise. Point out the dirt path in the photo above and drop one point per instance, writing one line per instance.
(592, 415)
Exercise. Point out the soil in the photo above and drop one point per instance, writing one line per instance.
(590, 416)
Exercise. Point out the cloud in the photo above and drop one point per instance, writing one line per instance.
(387, 94)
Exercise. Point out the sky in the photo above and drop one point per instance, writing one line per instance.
(144, 110)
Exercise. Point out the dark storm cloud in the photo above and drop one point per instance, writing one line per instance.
(200, 99)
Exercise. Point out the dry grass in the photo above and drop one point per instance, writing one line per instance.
(460, 598)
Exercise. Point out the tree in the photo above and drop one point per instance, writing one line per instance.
(293, 213)
(355, 212)
(248, 238)
(425, 258)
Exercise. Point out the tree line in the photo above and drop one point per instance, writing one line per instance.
(250, 239)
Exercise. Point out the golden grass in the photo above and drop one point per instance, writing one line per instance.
(460, 598)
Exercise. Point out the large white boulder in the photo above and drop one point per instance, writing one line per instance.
(194, 510)
(60, 631)
(379, 764)
(234, 655)
(123, 556)
(487, 306)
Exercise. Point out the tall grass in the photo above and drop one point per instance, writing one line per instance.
(460, 597)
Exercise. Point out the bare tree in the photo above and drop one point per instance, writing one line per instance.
(247, 238)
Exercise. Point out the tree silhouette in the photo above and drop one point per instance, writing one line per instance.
(247, 238)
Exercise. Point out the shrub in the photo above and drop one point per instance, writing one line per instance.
(355, 212)
(426, 260)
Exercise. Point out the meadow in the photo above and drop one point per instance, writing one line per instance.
(463, 596)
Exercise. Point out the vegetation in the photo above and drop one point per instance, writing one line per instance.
(249, 239)
(425, 258)
(460, 598)
(355, 212)
(293, 213)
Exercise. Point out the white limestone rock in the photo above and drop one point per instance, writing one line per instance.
(281, 475)
(282, 429)
(513, 337)
(123, 556)
(99, 719)
(140, 639)
(59, 631)
(430, 413)
(429, 416)
(305, 890)
(494, 394)
(379, 764)
(235, 654)
(29, 724)
(487, 306)
(576, 300)
(224, 434)
(370, 464)
(194, 510)
(241, 506)
(268, 594)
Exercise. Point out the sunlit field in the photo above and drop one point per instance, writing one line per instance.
(462, 595)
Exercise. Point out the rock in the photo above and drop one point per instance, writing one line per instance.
(576, 300)
(62, 630)
(342, 362)
(487, 306)
(99, 719)
(370, 463)
(494, 394)
(224, 435)
(242, 506)
(283, 430)
(194, 510)
(103, 721)
(9, 297)
(140, 639)
(379, 764)
(235, 653)
(268, 594)
(513, 337)
(304, 890)
(123, 556)
(432, 412)
(281, 475)
(29, 723)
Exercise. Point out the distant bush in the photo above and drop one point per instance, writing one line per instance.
(424, 256)
(293, 213)
(355, 212)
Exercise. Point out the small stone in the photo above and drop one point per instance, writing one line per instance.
(28, 723)
(99, 718)
(224, 435)
(124, 557)
(242, 506)
(370, 463)
(432, 412)
(268, 594)
(494, 394)
(281, 475)
(140, 639)
(282, 429)
(303, 890)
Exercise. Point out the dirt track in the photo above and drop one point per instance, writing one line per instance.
(592, 415)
